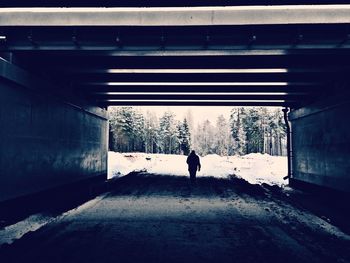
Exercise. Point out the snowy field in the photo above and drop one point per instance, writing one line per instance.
(256, 168)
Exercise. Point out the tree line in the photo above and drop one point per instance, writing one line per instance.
(247, 130)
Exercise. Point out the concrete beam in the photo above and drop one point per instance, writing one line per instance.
(176, 16)
(277, 103)
(199, 70)
(96, 52)
(203, 84)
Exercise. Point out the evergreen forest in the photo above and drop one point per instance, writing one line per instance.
(247, 130)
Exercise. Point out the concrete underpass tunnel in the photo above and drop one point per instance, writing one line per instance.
(62, 70)
(58, 76)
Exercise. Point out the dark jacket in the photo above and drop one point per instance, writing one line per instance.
(193, 162)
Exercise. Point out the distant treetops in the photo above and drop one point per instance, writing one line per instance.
(250, 129)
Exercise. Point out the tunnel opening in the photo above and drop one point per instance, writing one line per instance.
(247, 142)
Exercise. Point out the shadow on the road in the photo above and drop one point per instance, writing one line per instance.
(51, 202)
(150, 184)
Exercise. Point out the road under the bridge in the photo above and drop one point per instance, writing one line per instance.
(160, 218)
(57, 78)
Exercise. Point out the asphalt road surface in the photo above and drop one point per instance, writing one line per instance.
(154, 218)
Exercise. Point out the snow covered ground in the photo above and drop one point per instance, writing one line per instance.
(256, 168)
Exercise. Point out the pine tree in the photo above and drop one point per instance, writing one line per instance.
(253, 130)
(167, 133)
(127, 129)
(112, 129)
(204, 138)
(123, 131)
(222, 137)
(138, 131)
(151, 135)
(190, 121)
(237, 133)
(184, 137)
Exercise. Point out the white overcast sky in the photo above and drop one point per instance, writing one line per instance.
(199, 113)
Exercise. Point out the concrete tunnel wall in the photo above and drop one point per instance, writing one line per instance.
(321, 144)
(45, 143)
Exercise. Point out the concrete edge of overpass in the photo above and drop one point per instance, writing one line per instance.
(179, 16)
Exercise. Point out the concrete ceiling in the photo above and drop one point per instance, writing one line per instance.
(165, 57)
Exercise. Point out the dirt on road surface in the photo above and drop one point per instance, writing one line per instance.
(160, 218)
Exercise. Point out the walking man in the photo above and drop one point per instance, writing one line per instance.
(193, 164)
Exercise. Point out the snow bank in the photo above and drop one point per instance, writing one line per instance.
(217, 166)
(122, 164)
(259, 168)
(256, 168)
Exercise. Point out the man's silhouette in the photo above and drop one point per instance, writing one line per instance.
(193, 164)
